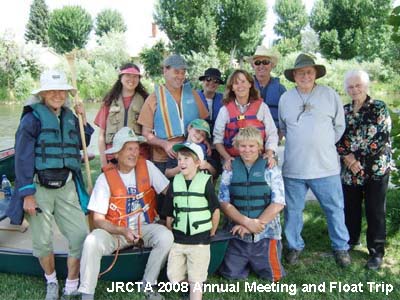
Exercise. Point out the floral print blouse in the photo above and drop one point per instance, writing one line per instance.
(367, 136)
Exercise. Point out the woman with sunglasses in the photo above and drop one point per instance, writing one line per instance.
(121, 107)
(243, 107)
(263, 61)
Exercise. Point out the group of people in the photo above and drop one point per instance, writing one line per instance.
(161, 154)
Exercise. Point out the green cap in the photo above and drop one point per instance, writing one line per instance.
(201, 124)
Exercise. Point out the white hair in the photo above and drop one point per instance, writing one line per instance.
(360, 74)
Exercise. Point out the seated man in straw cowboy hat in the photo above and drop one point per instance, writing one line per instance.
(49, 185)
(263, 61)
(121, 220)
(311, 118)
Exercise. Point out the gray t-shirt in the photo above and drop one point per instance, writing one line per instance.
(312, 124)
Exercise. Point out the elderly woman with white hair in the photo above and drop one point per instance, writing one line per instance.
(49, 185)
(365, 153)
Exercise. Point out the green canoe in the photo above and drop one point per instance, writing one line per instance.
(7, 163)
(16, 256)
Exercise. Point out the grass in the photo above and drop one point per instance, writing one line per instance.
(316, 271)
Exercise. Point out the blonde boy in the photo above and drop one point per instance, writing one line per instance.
(192, 211)
(251, 196)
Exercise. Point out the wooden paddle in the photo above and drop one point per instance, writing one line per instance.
(71, 62)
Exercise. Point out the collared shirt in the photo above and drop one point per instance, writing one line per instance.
(367, 136)
(274, 179)
(263, 115)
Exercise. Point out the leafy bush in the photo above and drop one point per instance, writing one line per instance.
(24, 85)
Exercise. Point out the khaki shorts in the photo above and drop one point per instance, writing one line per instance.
(188, 262)
(62, 206)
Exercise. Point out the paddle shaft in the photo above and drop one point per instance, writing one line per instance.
(71, 62)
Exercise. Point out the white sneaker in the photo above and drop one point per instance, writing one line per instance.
(52, 291)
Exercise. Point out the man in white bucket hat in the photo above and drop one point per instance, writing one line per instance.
(49, 185)
(124, 204)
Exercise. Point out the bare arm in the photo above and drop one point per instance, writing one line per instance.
(205, 165)
(225, 155)
(155, 141)
(215, 221)
(102, 147)
(171, 172)
(253, 225)
(169, 222)
(99, 221)
(270, 212)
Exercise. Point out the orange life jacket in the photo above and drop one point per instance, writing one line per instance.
(238, 120)
(146, 195)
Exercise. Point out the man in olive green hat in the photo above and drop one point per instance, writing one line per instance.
(312, 120)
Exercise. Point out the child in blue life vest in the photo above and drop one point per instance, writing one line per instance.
(192, 211)
(251, 195)
(198, 132)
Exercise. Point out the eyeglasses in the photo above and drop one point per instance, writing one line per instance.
(209, 79)
(265, 62)
(304, 73)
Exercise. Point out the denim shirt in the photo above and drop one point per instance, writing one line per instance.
(274, 179)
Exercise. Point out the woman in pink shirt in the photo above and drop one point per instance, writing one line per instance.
(121, 107)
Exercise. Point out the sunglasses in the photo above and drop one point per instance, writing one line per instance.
(265, 62)
(209, 79)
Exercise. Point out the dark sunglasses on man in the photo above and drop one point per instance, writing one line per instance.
(215, 80)
(265, 62)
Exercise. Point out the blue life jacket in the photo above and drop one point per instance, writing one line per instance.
(249, 191)
(216, 106)
(170, 120)
(57, 145)
(271, 94)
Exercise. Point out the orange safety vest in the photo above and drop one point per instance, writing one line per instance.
(238, 120)
(146, 195)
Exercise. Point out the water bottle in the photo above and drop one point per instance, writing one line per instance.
(6, 186)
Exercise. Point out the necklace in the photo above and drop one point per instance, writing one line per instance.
(306, 106)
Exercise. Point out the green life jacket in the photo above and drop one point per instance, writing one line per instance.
(190, 205)
(57, 145)
(249, 192)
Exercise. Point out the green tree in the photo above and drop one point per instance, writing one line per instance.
(194, 25)
(189, 24)
(240, 25)
(394, 20)
(69, 28)
(352, 28)
(152, 59)
(10, 67)
(38, 23)
(292, 18)
(109, 20)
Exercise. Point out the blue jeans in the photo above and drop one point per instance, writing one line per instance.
(328, 191)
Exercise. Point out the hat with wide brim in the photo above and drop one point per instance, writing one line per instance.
(213, 73)
(54, 80)
(196, 149)
(263, 51)
(123, 136)
(302, 61)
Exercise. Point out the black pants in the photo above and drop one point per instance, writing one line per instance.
(374, 194)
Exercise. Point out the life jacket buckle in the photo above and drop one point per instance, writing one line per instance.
(240, 117)
(139, 196)
(112, 206)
